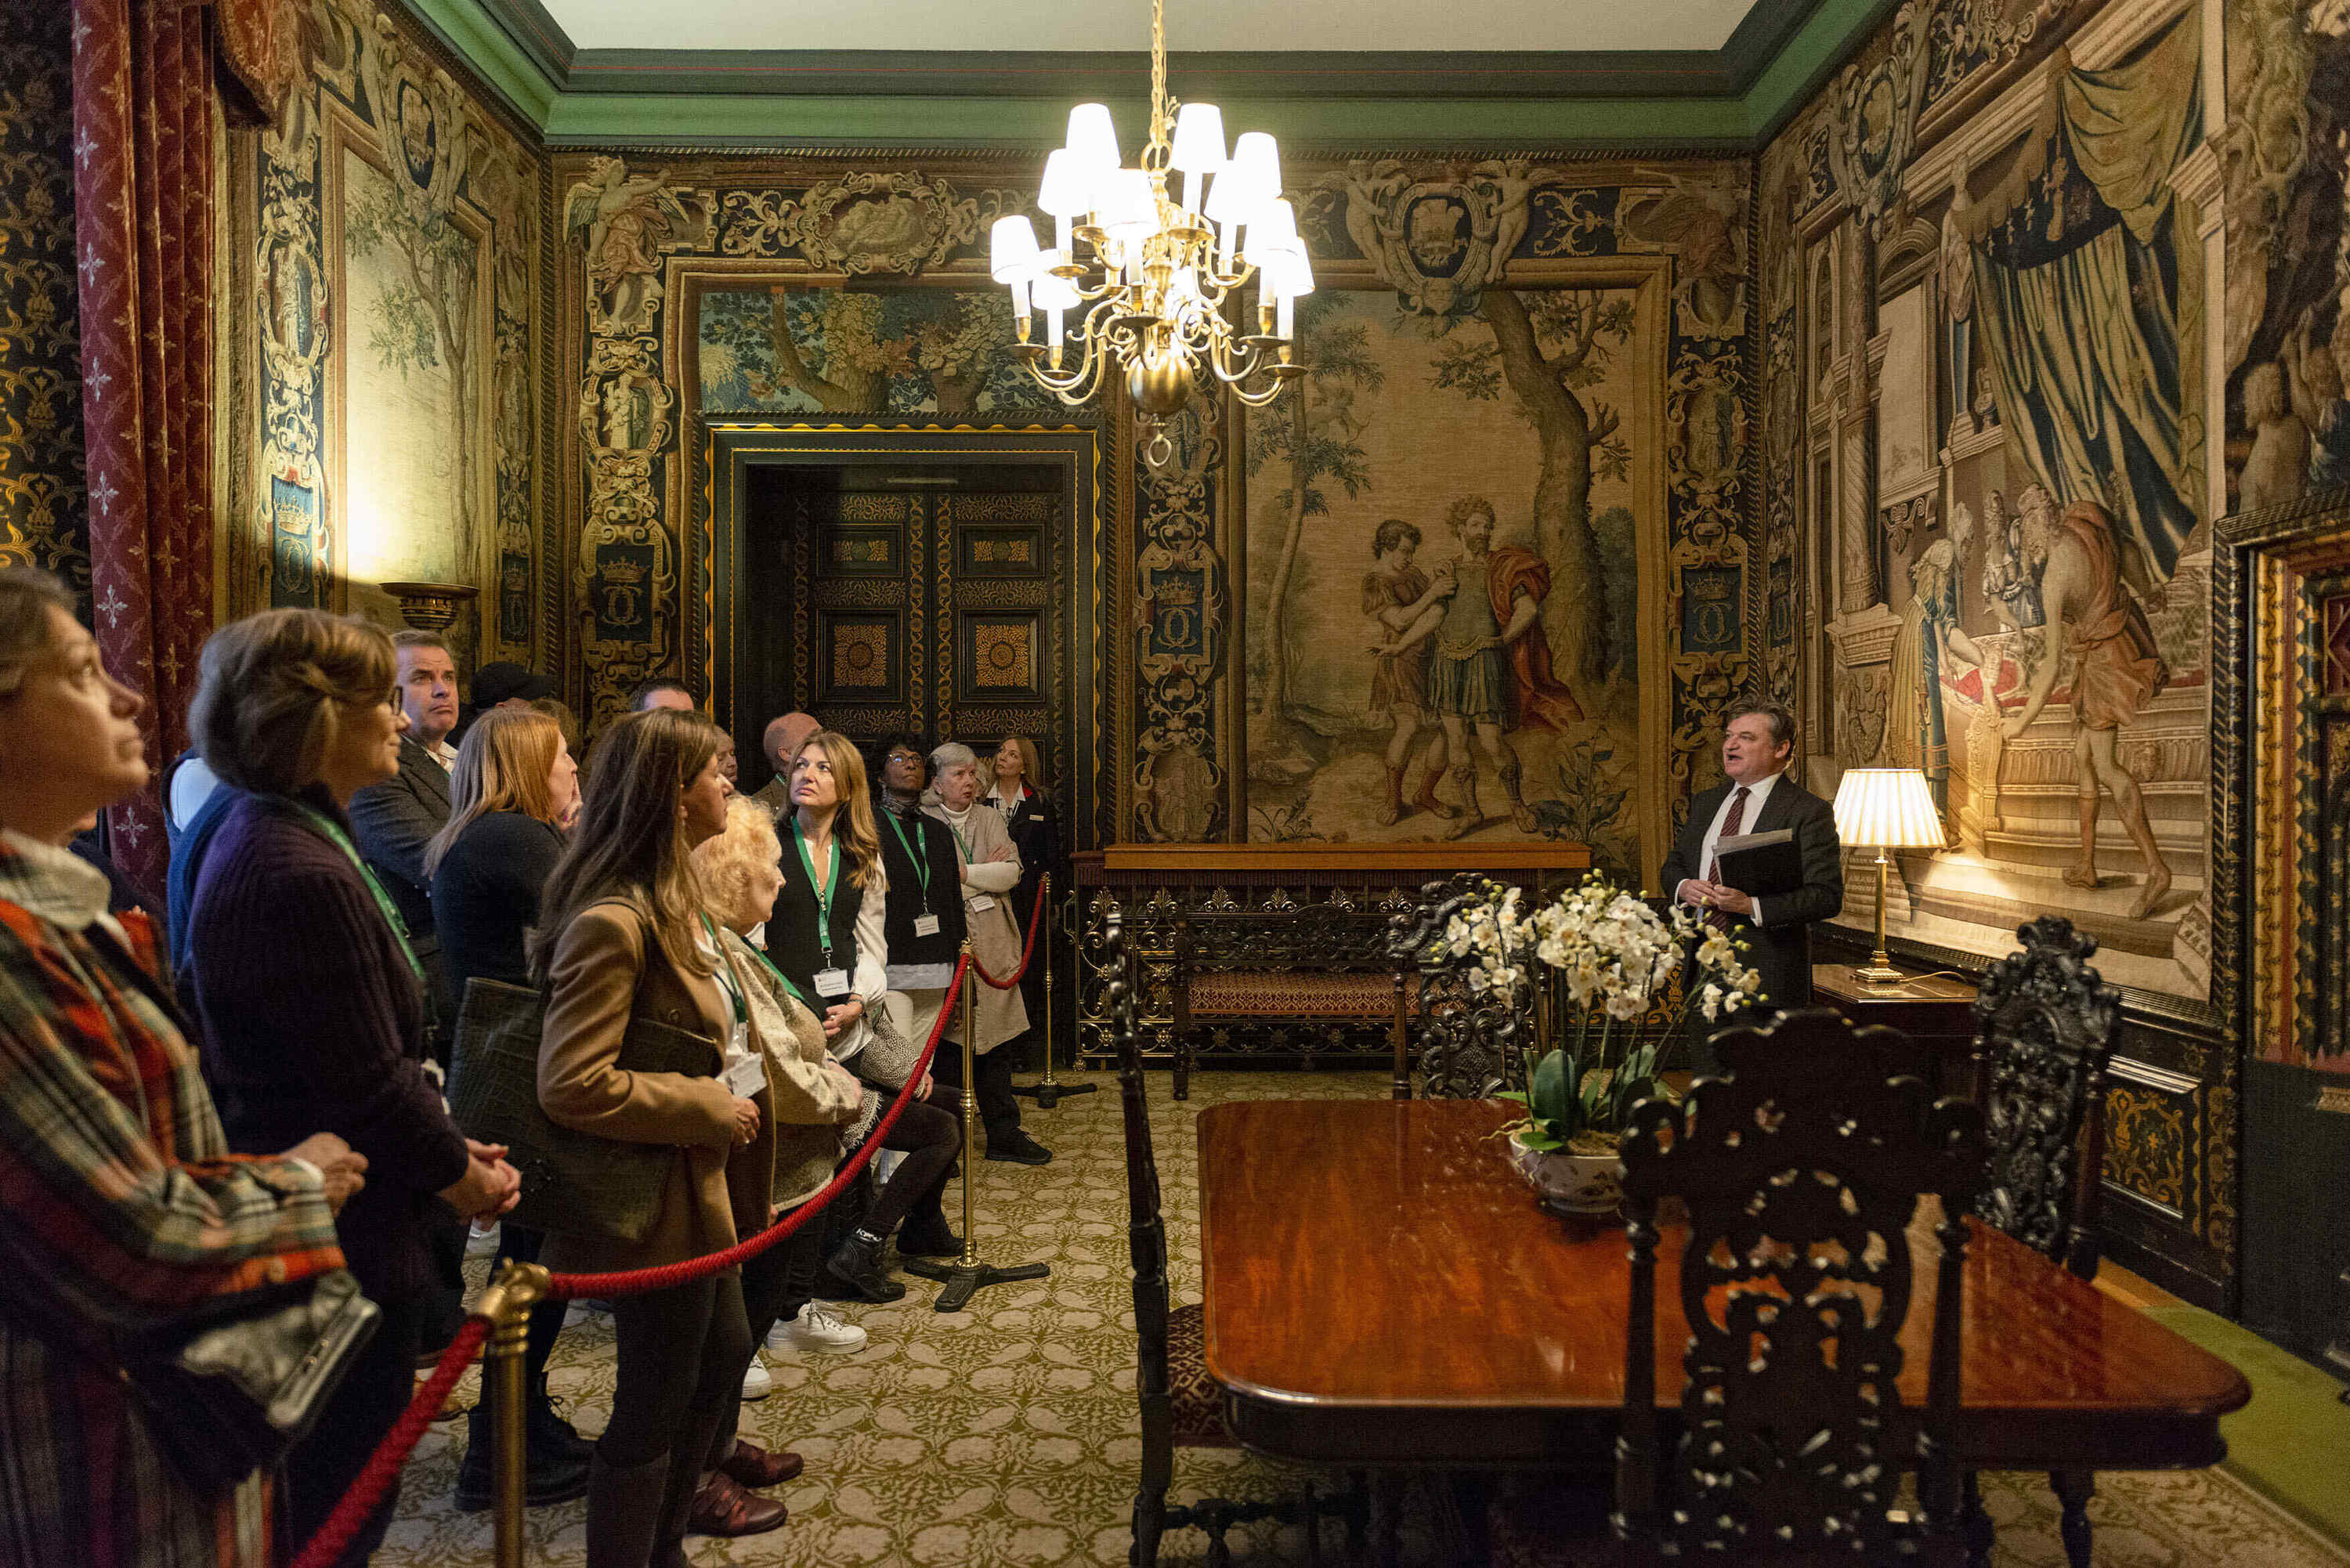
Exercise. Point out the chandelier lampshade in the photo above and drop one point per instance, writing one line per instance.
(1145, 276)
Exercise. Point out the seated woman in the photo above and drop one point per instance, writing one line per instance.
(836, 849)
(313, 1006)
(816, 1099)
(621, 942)
(119, 1208)
(514, 786)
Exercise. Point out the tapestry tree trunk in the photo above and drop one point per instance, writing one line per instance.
(1276, 665)
(840, 388)
(1576, 612)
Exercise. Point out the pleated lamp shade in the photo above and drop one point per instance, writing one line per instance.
(1888, 808)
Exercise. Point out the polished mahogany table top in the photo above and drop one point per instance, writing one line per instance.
(1382, 1289)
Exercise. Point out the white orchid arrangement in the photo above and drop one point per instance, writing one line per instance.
(1616, 956)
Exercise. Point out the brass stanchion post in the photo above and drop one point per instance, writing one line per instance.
(508, 1304)
(967, 1275)
(1048, 1090)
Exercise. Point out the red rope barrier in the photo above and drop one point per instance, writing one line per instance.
(383, 1465)
(634, 1281)
(1036, 924)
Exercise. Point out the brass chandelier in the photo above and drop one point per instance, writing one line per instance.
(1148, 276)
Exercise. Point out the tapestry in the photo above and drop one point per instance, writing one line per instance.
(393, 427)
(1439, 648)
(1985, 358)
(44, 503)
(901, 353)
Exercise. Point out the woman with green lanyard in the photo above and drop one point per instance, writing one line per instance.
(312, 1006)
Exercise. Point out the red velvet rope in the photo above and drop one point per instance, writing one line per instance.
(1036, 924)
(636, 1282)
(383, 1466)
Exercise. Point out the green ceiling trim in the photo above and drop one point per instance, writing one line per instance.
(583, 118)
(521, 55)
(503, 64)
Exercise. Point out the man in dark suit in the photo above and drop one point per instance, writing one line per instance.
(1756, 796)
(394, 820)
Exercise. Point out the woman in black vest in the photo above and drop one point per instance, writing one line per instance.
(827, 934)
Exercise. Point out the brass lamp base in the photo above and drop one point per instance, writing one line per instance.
(1879, 970)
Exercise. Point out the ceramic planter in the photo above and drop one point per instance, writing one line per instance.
(1572, 1183)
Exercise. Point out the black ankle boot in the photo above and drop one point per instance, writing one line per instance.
(927, 1234)
(857, 1263)
(548, 1475)
(549, 1433)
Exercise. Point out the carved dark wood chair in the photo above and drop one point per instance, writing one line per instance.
(2045, 1027)
(1180, 1407)
(1801, 1167)
(1304, 965)
(1461, 1040)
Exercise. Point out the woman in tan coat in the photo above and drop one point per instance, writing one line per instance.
(622, 939)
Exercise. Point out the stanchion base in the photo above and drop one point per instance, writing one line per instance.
(962, 1281)
(1048, 1096)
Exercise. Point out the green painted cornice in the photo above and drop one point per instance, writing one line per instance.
(1730, 101)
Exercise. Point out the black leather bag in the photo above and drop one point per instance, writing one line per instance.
(572, 1183)
(235, 1390)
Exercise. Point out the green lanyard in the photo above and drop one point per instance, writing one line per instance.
(831, 894)
(922, 862)
(390, 911)
(782, 978)
(725, 974)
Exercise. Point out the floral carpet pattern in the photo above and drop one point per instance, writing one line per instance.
(1006, 1434)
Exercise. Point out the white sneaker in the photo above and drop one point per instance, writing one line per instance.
(818, 1331)
(757, 1383)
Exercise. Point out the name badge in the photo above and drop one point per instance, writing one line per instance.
(926, 925)
(747, 1076)
(981, 901)
(832, 982)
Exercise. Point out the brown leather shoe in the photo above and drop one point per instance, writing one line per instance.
(755, 1468)
(723, 1507)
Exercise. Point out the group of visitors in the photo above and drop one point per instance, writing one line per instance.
(256, 1103)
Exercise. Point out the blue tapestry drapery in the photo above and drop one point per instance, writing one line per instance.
(2075, 295)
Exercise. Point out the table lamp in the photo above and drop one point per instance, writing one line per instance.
(1889, 808)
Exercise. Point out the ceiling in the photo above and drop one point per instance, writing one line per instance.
(1514, 26)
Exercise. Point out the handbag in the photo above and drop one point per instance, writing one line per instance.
(572, 1183)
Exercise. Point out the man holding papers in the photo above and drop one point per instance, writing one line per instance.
(1759, 851)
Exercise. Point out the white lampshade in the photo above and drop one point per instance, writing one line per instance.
(1011, 249)
(1053, 292)
(1255, 169)
(1067, 189)
(1229, 199)
(1092, 139)
(1198, 140)
(1127, 211)
(1888, 808)
(1287, 275)
(1274, 228)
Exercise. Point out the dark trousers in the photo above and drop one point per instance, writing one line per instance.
(520, 1244)
(998, 1108)
(776, 1285)
(373, 1393)
(683, 1351)
(929, 1134)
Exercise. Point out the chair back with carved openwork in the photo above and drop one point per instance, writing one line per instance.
(1145, 1230)
(1802, 1168)
(1463, 1038)
(2045, 1027)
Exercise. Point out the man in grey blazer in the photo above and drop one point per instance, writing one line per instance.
(1756, 796)
(394, 820)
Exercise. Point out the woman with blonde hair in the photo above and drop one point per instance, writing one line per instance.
(514, 787)
(815, 1101)
(313, 1006)
(120, 1215)
(622, 941)
(825, 930)
(1018, 788)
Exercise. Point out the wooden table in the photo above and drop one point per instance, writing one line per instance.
(1937, 1012)
(1382, 1291)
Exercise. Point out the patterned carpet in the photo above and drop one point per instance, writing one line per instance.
(1006, 1434)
